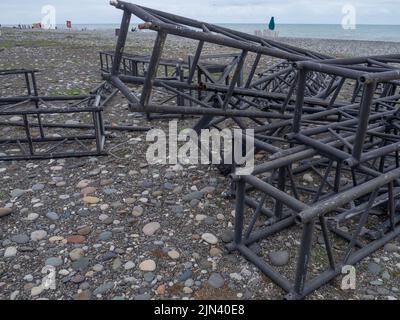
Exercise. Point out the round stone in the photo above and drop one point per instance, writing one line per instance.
(308, 178)
(279, 258)
(28, 278)
(147, 266)
(98, 268)
(137, 211)
(161, 290)
(116, 264)
(84, 230)
(85, 295)
(187, 290)
(16, 193)
(227, 236)
(32, 216)
(38, 187)
(105, 236)
(174, 255)
(129, 265)
(374, 268)
(151, 228)
(103, 217)
(5, 212)
(38, 235)
(103, 288)
(10, 252)
(216, 281)
(215, 252)
(35, 291)
(390, 247)
(56, 239)
(52, 216)
(76, 254)
(91, 200)
(130, 200)
(210, 238)
(76, 239)
(54, 262)
(81, 264)
(189, 283)
(149, 276)
(201, 217)
(88, 190)
(83, 184)
(20, 238)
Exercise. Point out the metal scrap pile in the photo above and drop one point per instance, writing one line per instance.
(328, 130)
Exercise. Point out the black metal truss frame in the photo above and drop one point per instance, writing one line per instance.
(311, 114)
(217, 94)
(34, 109)
(210, 69)
(352, 208)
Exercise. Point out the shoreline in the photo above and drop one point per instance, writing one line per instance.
(13, 38)
(111, 32)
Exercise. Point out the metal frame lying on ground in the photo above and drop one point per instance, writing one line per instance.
(327, 131)
(332, 123)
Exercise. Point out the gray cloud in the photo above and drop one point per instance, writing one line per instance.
(237, 11)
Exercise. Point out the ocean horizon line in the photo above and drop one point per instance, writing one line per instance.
(362, 32)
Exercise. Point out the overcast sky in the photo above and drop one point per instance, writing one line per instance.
(223, 11)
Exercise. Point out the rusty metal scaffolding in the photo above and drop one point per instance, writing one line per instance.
(327, 129)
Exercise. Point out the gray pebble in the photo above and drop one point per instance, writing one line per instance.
(16, 193)
(374, 268)
(227, 236)
(103, 288)
(146, 184)
(54, 261)
(81, 264)
(187, 274)
(279, 258)
(38, 187)
(149, 276)
(52, 216)
(198, 195)
(109, 256)
(20, 238)
(105, 236)
(110, 191)
(216, 281)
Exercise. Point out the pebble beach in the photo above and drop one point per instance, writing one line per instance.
(115, 228)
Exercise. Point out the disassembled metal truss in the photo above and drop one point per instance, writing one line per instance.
(38, 127)
(327, 129)
(27, 136)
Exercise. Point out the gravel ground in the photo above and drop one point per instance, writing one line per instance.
(116, 228)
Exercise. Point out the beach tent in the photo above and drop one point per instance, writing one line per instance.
(272, 24)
